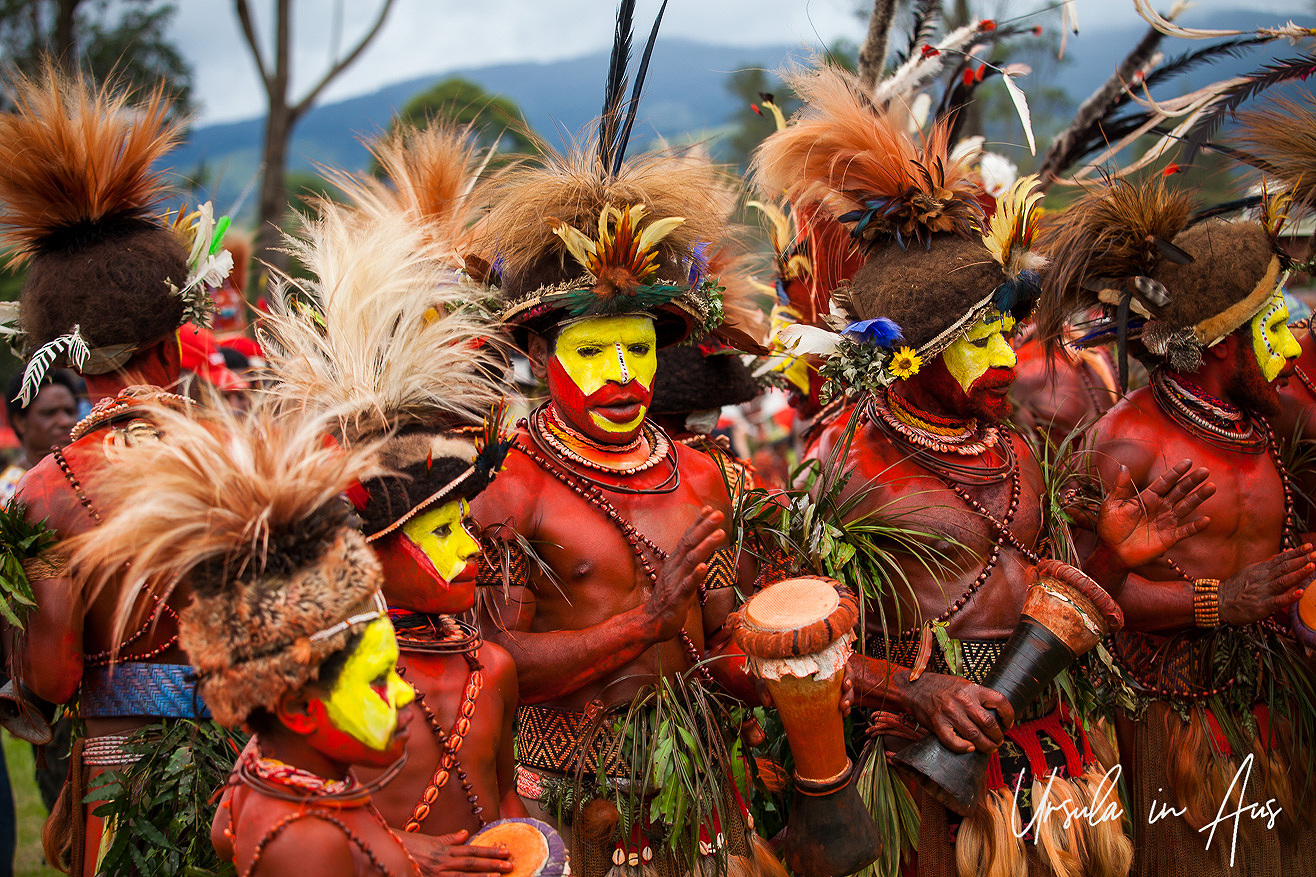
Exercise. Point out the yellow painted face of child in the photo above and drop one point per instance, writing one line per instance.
(368, 693)
(1272, 340)
(983, 347)
(610, 363)
(441, 534)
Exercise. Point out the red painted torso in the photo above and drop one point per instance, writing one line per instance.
(441, 680)
(900, 491)
(597, 575)
(1246, 512)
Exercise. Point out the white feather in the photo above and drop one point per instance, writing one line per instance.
(809, 340)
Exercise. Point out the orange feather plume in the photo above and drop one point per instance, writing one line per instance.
(845, 153)
(73, 154)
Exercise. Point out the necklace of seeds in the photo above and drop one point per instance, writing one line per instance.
(637, 540)
(451, 744)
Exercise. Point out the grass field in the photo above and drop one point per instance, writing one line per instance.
(28, 861)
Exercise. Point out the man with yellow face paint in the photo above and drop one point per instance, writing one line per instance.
(1204, 312)
(632, 577)
(286, 631)
(924, 354)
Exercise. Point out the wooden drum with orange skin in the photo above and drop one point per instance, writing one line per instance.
(537, 850)
(796, 635)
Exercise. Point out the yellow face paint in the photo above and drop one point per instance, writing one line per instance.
(1272, 340)
(440, 534)
(983, 348)
(369, 692)
(599, 351)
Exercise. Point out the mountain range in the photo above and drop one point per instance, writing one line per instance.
(686, 96)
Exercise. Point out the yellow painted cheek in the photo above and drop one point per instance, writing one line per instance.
(448, 553)
(590, 374)
(354, 706)
(967, 362)
(1273, 347)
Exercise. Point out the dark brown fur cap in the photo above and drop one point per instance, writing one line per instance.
(1229, 260)
(925, 291)
(687, 380)
(114, 285)
(250, 642)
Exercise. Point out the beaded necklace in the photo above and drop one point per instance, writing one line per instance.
(1213, 420)
(670, 481)
(934, 432)
(590, 492)
(326, 816)
(555, 423)
(974, 472)
(451, 743)
(544, 426)
(105, 658)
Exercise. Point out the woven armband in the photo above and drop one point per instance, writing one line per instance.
(1206, 602)
(503, 564)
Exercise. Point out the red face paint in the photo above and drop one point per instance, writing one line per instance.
(411, 581)
(615, 402)
(988, 398)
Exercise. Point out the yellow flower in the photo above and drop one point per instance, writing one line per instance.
(904, 363)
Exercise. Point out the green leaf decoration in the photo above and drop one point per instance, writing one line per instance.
(162, 803)
(20, 540)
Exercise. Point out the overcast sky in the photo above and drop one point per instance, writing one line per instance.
(423, 37)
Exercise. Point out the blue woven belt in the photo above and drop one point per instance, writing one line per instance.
(137, 689)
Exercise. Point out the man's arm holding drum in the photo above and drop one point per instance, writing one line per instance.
(553, 664)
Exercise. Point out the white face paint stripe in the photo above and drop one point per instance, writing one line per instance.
(621, 361)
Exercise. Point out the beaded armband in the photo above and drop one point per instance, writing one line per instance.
(503, 564)
(1206, 602)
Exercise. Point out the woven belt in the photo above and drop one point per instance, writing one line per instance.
(721, 569)
(980, 655)
(548, 739)
(137, 689)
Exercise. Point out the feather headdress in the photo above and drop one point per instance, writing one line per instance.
(429, 173)
(593, 232)
(1180, 285)
(378, 334)
(247, 513)
(380, 340)
(79, 187)
(866, 170)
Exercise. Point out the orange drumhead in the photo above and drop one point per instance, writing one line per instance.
(792, 604)
(800, 616)
(527, 844)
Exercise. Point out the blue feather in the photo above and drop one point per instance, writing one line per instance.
(880, 332)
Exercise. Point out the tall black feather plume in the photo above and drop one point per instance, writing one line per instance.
(634, 106)
(1268, 76)
(614, 92)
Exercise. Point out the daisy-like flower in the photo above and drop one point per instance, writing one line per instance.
(905, 363)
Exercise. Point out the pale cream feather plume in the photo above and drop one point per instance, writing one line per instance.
(383, 333)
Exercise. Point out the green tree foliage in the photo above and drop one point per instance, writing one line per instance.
(747, 128)
(496, 120)
(123, 38)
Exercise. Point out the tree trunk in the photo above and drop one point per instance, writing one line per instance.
(63, 43)
(273, 202)
(872, 56)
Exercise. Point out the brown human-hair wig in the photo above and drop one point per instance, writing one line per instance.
(247, 512)
(568, 188)
(79, 189)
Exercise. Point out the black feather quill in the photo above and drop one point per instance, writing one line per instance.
(634, 106)
(614, 92)
(1287, 70)
(927, 15)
